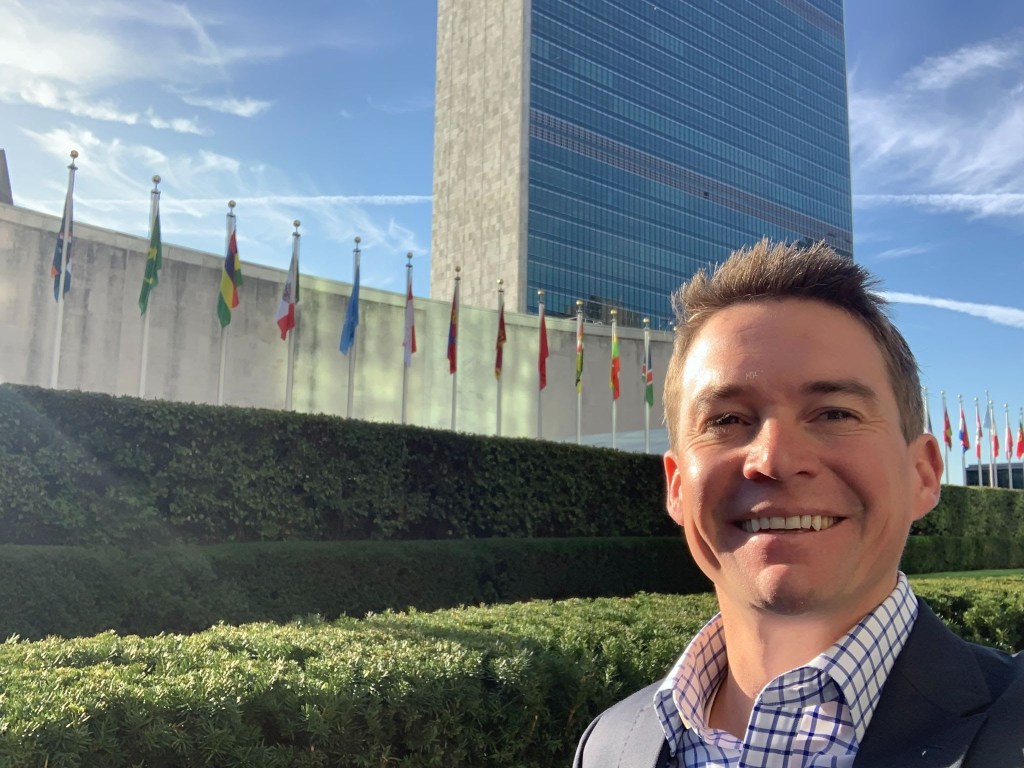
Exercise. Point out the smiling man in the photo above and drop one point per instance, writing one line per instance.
(797, 465)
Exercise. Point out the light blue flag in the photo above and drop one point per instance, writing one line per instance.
(348, 331)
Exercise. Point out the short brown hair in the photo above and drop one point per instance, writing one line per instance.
(771, 271)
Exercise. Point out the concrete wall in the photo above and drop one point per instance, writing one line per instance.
(480, 149)
(102, 340)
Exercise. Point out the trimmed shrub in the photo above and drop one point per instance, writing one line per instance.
(500, 686)
(70, 591)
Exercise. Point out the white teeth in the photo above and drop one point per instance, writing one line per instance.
(794, 523)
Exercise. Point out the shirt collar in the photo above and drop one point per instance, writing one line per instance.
(859, 664)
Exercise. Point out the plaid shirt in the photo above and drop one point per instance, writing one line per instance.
(814, 716)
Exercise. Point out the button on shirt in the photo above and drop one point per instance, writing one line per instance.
(814, 716)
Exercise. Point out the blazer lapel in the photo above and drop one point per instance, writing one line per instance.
(932, 705)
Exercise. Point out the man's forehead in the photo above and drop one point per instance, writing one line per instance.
(788, 342)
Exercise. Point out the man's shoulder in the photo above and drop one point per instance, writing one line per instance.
(626, 735)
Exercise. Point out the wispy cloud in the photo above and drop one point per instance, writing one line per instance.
(401, 107)
(1000, 315)
(995, 204)
(228, 105)
(939, 73)
(67, 56)
(901, 253)
(113, 185)
(948, 136)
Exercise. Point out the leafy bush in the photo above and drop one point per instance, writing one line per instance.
(72, 591)
(81, 468)
(508, 685)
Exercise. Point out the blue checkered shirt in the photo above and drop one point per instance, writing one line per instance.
(814, 716)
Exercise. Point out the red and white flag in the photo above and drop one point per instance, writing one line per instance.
(290, 296)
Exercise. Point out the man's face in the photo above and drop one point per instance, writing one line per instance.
(790, 476)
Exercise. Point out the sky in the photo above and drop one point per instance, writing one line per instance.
(323, 112)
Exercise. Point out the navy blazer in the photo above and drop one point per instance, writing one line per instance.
(947, 704)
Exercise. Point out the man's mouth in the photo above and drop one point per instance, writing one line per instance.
(795, 523)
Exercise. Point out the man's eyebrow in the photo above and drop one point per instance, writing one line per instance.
(840, 387)
(708, 395)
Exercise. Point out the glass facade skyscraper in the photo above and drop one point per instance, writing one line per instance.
(659, 136)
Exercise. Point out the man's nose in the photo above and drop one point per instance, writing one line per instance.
(779, 450)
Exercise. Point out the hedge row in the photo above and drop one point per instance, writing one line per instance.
(80, 468)
(484, 687)
(71, 591)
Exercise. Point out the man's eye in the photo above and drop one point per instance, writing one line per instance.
(725, 420)
(835, 414)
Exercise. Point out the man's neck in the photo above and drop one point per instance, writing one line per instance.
(759, 649)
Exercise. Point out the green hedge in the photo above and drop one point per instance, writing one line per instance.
(71, 591)
(933, 554)
(80, 468)
(483, 687)
(975, 512)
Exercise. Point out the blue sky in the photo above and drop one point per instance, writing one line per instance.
(323, 111)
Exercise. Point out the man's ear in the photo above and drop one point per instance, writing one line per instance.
(927, 460)
(673, 480)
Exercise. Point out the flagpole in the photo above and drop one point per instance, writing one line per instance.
(1009, 445)
(498, 372)
(945, 444)
(407, 343)
(963, 451)
(927, 413)
(62, 278)
(455, 341)
(979, 439)
(1020, 439)
(615, 402)
(647, 406)
(990, 414)
(290, 380)
(579, 371)
(154, 205)
(355, 347)
(224, 328)
(540, 392)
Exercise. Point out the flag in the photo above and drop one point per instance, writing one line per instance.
(927, 415)
(965, 442)
(348, 330)
(647, 373)
(453, 332)
(579, 354)
(1020, 438)
(290, 296)
(410, 320)
(65, 222)
(499, 344)
(1009, 439)
(542, 351)
(979, 436)
(947, 428)
(230, 279)
(154, 260)
(613, 380)
(993, 431)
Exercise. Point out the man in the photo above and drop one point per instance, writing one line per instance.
(797, 464)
